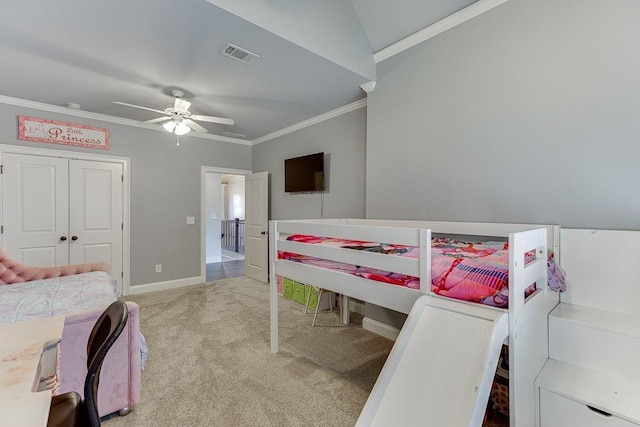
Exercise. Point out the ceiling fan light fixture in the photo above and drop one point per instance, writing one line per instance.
(182, 129)
(169, 126)
(180, 120)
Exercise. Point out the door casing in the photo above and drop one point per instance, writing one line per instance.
(204, 170)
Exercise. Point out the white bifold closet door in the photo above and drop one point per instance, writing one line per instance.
(59, 211)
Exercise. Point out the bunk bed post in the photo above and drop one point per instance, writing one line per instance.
(528, 321)
(273, 285)
(425, 261)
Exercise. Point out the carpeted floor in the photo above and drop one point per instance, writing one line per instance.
(209, 362)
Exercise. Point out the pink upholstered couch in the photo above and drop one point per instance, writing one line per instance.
(32, 292)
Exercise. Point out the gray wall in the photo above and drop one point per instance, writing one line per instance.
(343, 140)
(165, 189)
(527, 113)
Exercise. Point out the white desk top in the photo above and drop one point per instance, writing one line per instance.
(21, 345)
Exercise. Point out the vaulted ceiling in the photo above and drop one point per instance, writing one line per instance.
(313, 55)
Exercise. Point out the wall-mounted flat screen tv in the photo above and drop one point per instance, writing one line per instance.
(304, 173)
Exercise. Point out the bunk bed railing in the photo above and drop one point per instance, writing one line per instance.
(385, 262)
(389, 234)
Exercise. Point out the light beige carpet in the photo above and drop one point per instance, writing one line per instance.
(210, 364)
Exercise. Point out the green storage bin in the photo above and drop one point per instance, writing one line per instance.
(287, 288)
(299, 295)
(312, 294)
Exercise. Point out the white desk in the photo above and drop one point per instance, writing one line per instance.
(21, 346)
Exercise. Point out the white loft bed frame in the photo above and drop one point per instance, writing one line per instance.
(527, 320)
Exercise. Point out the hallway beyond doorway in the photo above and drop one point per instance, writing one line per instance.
(225, 270)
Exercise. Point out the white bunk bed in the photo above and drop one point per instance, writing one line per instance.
(524, 326)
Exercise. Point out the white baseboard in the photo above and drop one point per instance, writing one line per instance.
(380, 328)
(163, 286)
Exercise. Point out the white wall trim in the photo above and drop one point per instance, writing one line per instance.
(380, 328)
(109, 119)
(127, 122)
(126, 198)
(439, 27)
(314, 120)
(163, 286)
(204, 170)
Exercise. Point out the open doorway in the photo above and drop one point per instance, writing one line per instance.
(232, 221)
(223, 213)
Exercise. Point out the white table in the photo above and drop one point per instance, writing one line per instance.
(21, 347)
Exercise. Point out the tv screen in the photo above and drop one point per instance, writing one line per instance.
(304, 173)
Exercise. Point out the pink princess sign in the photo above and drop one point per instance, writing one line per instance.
(54, 132)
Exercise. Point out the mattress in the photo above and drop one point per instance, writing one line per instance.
(56, 296)
(470, 271)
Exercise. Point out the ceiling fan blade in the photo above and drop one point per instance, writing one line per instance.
(211, 119)
(181, 105)
(158, 120)
(138, 106)
(195, 126)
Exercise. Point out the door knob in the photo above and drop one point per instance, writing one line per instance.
(63, 238)
(263, 233)
(74, 238)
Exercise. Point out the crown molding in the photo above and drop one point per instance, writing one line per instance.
(368, 86)
(439, 27)
(18, 102)
(314, 120)
(133, 123)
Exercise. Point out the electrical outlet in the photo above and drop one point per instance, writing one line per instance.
(191, 220)
(158, 268)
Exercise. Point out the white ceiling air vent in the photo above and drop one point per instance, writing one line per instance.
(239, 53)
(234, 135)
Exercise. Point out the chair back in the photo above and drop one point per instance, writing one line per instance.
(106, 330)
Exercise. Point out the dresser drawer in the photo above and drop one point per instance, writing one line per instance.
(560, 411)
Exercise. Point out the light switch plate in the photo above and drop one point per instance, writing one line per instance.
(191, 220)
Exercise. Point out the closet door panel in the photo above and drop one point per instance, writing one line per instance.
(95, 211)
(35, 209)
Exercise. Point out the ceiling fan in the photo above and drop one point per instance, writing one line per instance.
(180, 120)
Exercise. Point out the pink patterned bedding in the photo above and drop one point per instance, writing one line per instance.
(470, 271)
